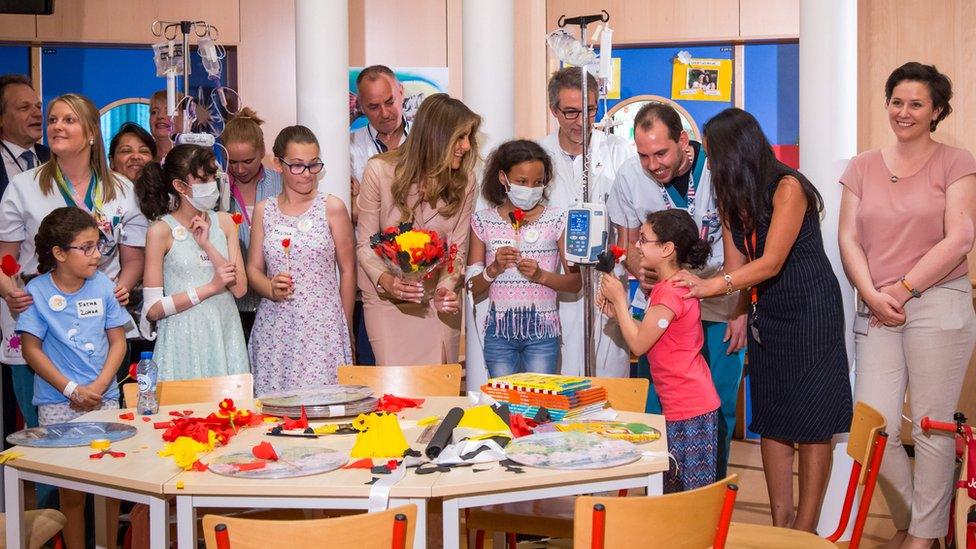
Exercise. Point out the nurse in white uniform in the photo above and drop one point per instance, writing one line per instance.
(607, 153)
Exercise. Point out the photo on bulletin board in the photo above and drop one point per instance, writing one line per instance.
(418, 83)
(702, 80)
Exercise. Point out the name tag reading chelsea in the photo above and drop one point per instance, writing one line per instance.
(88, 308)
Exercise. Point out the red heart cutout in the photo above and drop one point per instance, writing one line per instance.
(265, 450)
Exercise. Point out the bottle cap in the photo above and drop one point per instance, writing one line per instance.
(145, 355)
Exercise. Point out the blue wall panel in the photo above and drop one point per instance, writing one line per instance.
(14, 60)
(772, 91)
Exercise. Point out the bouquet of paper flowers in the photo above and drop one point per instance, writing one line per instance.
(413, 253)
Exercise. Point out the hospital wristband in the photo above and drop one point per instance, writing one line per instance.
(488, 278)
(69, 389)
(194, 298)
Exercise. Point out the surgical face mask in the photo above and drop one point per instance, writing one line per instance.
(522, 197)
(205, 196)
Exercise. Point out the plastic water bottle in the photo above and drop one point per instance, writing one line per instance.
(146, 373)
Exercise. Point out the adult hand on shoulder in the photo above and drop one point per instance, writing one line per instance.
(18, 301)
(445, 301)
(885, 309)
(697, 286)
(735, 333)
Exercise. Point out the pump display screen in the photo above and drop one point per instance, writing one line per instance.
(578, 232)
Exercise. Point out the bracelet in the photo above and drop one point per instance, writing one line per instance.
(729, 290)
(194, 298)
(488, 278)
(69, 389)
(915, 293)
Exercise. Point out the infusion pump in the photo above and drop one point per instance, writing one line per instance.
(586, 233)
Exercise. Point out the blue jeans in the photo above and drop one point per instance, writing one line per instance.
(504, 356)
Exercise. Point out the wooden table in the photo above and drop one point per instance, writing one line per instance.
(144, 477)
(138, 477)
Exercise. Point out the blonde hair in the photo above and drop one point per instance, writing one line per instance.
(90, 120)
(245, 127)
(425, 157)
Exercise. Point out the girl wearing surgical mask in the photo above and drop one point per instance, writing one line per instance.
(516, 251)
(194, 269)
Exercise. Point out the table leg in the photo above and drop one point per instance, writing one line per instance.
(101, 523)
(420, 530)
(159, 524)
(186, 522)
(655, 484)
(452, 527)
(13, 492)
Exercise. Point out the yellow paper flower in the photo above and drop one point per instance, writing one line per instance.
(412, 239)
(185, 450)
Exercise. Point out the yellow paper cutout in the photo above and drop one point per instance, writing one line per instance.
(484, 418)
(379, 436)
(429, 420)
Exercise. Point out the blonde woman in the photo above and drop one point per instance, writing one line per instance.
(429, 180)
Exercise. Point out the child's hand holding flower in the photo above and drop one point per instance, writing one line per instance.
(281, 286)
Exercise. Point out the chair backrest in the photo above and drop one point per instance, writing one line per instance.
(188, 391)
(866, 423)
(627, 394)
(693, 519)
(363, 531)
(405, 381)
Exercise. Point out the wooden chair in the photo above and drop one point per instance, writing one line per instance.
(393, 528)
(405, 381)
(866, 446)
(189, 391)
(40, 526)
(695, 519)
(553, 517)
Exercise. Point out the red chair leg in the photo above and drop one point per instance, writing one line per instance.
(869, 484)
(510, 540)
(622, 493)
(399, 531)
(725, 518)
(479, 539)
(59, 541)
(845, 512)
(599, 526)
(222, 537)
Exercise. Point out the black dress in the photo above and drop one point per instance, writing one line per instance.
(798, 374)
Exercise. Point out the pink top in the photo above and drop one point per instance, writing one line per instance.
(897, 223)
(681, 376)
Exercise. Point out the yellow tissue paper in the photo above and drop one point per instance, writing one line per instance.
(429, 420)
(326, 429)
(4, 458)
(379, 436)
(484, 418)
(184, 450)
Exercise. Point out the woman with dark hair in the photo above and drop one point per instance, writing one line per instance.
(131, 149)
(797, 359)
(429, 181)
(906, 225)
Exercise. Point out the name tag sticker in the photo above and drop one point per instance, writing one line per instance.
(88, 308)
(205, 259)
(498, 243)
(283, 231)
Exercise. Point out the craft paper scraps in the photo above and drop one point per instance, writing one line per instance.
(379, 436)
(391, 403)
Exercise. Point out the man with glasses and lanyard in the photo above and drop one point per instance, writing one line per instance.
(607, 153)
(670, 171)
(21, 128)
(380, 98)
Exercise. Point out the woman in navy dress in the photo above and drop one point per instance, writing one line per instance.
(774, 255)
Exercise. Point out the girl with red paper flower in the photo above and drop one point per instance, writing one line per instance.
(299, 240)
(73, 335)
(515, 256)
(194, 269)
(429, 182)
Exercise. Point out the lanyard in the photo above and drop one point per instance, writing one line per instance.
(13, 157)
(238, 197)
(751, 255)
(94, 199)
(379, 145)
(693, 181)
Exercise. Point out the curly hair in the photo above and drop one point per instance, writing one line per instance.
(58, 229)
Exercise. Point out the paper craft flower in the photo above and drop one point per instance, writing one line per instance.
(618, 253)
(9, 265)
(238, 218)
(185, 451)
(131, 374)
(516, 216)
(413, 252)
(608, 258)
(390, 403)
(286, 244)
(266, 451)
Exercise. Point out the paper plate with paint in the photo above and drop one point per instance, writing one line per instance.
(66, 435)
(293, 461)
(571, 450)
(326, 395)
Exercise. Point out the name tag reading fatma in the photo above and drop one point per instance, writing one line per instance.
(88, 308)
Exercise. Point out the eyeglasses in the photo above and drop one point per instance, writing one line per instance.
(573, 114)
(87, 249)
(299, 169)
(641, 240)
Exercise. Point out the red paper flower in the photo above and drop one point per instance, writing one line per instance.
(265, 450)
(286, 243)
(237, 217)
(519, 215)
(392, 465)
(9, 265)
(133, 370)
(127, 415)
(198, 466)
(226, 406)
(617, 252)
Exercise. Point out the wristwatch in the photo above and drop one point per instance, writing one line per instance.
(915, 293)
(729, 290)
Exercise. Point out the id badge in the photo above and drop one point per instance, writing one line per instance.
(862, 320)
(754, 325)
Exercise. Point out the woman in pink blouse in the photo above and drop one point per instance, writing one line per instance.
(906, 225)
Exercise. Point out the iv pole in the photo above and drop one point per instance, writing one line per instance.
(167, 29)
(589, 353)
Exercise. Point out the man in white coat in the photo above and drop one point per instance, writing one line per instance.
(671, 171)
(607, 153)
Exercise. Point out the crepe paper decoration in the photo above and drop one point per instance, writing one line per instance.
(162, 424)
(128, 416)
(104, 453)
(606, 259)
(390, 403)
(412, 251)
(265, 450)
(252, 466)
(237, 217)
(9, 266)
(181, 413)
(199, 466)
(485, 419)
(184, 451)
(379, 436)
(364, 463)
(146, 419)
(9, 456)
(392, 464)
(521, 425)
(286, 244)
(300, 423)
(429, 420)
(131, 374)
(270, 419)
(619, 254)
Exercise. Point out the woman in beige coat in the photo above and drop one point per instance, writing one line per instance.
(429, 180)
